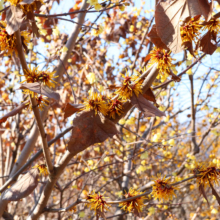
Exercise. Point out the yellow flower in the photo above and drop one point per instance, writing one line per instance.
(213, 26)
(98, 30)
(42, 168)
(26, 7)
(163, 59)
(190, 30)
(207, 173)
(47, 78)
(8, 42)
(97, 202)
(115, 108)
(163, 190)
(135, 205)
(130, 84)
(41, 102)
(96, 103)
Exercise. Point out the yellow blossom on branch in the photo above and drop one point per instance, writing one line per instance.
(115, 108)
(213, 26)
(95, 102)
(206, 174)
(190, 30)
(41, 102)
(162, 189)
(163, 59)
(42, 168)
(97, 203)
(8, 42)
(130, 85)
(135, 205)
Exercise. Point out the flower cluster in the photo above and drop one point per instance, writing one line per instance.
(190, 30)
(207, 174)
(45, 77)
(115, 108)
(41, 102)
(42, 168)
(135, 205)
(130, 84)
(213, 25)
(163, 190)
(163, 60)
(96, 103)
(8, 42)
(97, 202)
(27, 7)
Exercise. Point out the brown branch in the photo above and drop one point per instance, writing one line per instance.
(76, 12)
(116, 201)
(142, 41)
(195, 147)
(35, 157)
(35, 108)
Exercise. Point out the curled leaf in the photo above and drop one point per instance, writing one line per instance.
(14, 19)
(206, 44)
(41, 89)
(155, 39)
(90, 129)
(169, 14)
(23, 187)
(70, 109)
(214, 193)
(146, 107)
(202, 191)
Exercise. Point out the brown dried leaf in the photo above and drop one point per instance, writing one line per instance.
(23, 187)
(14, 19)
(146, 107)
(214, 193)
(13, 112)
(30, 16)
(70, 109)
(155, 39)
(168, 15)
(90, 129)
(40, 89)
(202, 191)
(149, 95)
(206, 45)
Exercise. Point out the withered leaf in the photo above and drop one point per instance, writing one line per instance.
(70, 109)
(14, 19)
(13, 112)
(41, 89)
(155, 39)
(149, 95)
(169, 14)
(206, 45)
(90, 129)
(214, 193)
(23, 187)
(30, 16)
(202, 191)
(146, 107)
